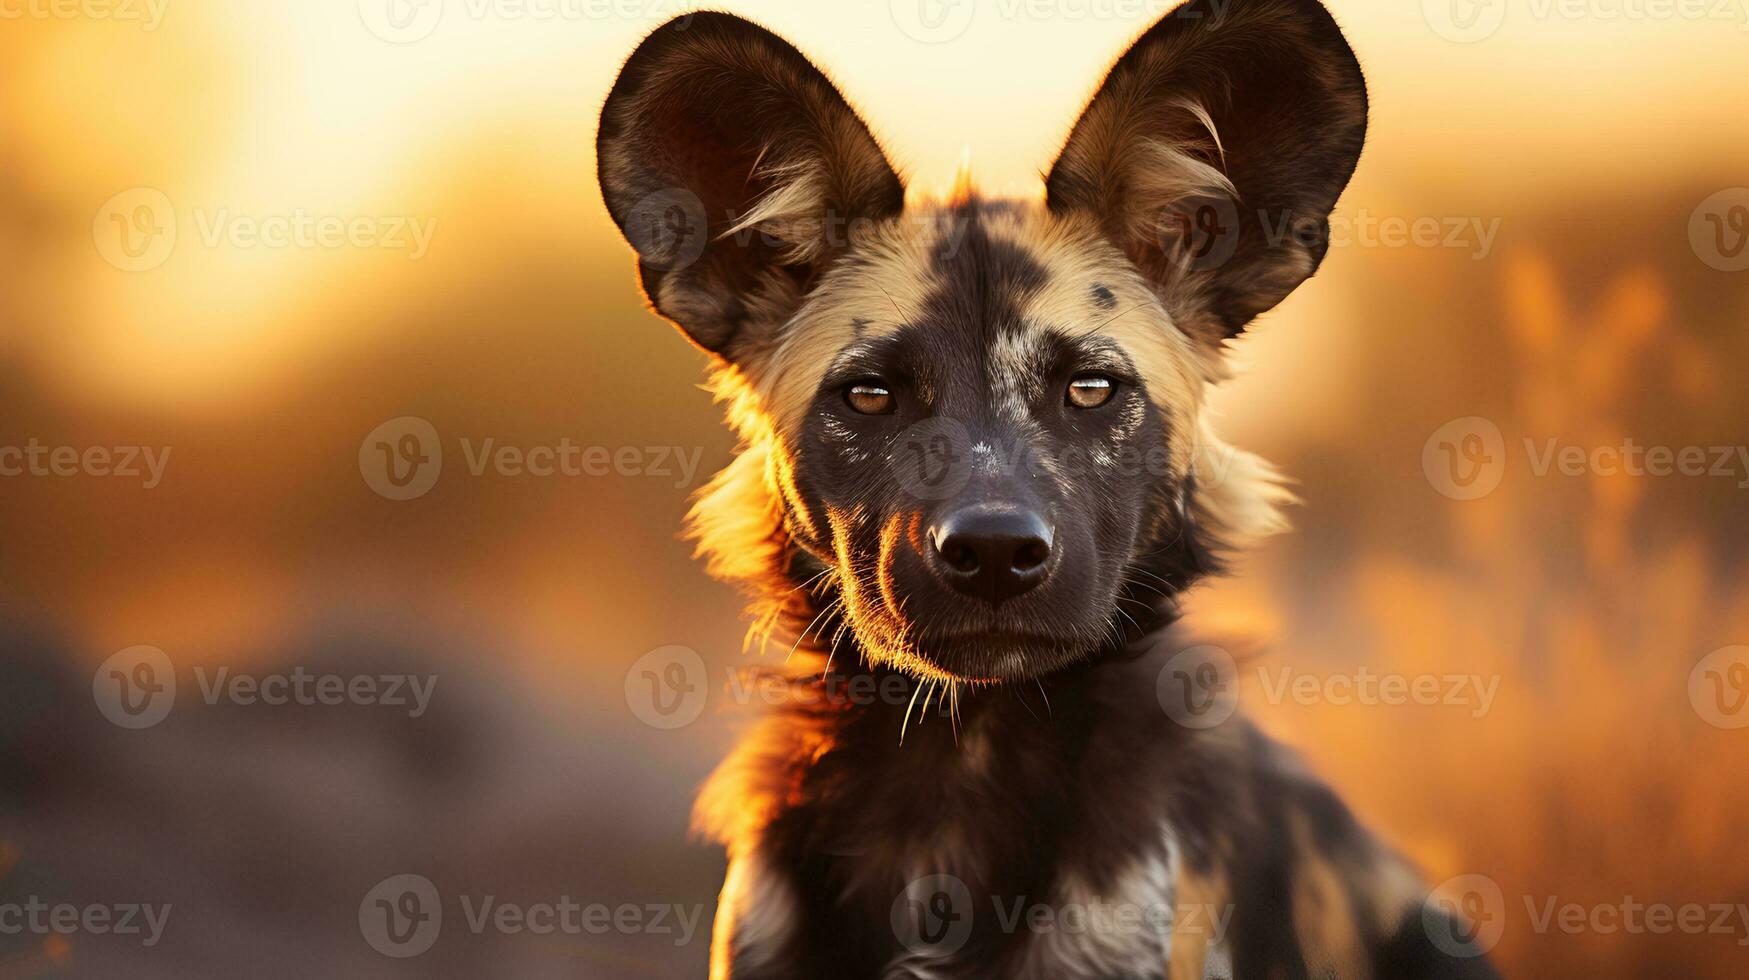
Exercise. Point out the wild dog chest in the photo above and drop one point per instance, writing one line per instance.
(983, 852)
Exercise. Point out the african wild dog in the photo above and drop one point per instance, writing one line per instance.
(941, 405)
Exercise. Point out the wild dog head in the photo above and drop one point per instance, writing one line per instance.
(979, 424)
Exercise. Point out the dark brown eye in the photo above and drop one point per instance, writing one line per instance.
(1091, 390)
(870, 398)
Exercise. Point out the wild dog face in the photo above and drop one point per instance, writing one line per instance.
(980, 422)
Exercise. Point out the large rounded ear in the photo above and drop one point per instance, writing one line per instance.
(1215, 151)
(736, 171)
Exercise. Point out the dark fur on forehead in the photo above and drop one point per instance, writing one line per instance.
(981, 280)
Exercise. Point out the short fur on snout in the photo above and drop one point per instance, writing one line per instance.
(975, 464)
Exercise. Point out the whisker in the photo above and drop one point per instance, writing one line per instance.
(1101, 326)
(806, 630)
(902, 317)
(810, 580)
(907, 723)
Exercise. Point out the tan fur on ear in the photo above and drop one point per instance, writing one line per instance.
(1143, 179)
(803, 209)
(792, 212)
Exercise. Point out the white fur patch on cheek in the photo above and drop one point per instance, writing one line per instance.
(845, 441)
(837, 431)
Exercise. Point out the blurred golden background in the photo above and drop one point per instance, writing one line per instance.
(248, 235)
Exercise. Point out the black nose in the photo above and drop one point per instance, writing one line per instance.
(993, 553)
